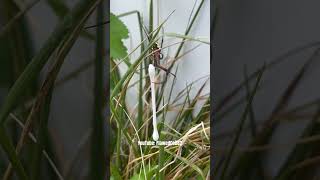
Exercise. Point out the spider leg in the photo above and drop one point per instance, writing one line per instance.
(161, 43)
(97, 25)
(158, 82)
(161, 56)
(164, 69)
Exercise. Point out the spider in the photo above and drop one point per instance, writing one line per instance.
(155, 50)
(157, 54)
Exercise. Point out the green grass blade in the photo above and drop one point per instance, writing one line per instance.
(44, 98)
(253, 127)
(151, 18)
(60, 8)
(16, 19)
(97, 163)
(300, 151)
(189, 28)
(9, 149)
(33, 69)
(240, 127)
(70, 22)
(184, 37)
(281, 58)
(247, 160)
(184, 160)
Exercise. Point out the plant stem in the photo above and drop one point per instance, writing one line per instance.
(97, 163)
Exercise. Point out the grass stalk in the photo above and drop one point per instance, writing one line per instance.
(240, 127)
(97, 163)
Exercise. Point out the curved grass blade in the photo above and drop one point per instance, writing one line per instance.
(184, 160)
(70, 22)
(281, 58)
(300, 151)
(253, 127)
(44, 98)
(9, 149)
(60, 8)
(16, 18)
(186, 37)
(247, 160)
(240, 127)
(29, 75)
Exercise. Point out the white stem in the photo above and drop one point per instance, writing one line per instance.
(152, 74)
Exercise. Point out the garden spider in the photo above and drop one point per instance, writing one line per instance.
(155, 50)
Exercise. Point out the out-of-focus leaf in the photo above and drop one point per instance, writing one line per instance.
(60, 8)
(35, 66)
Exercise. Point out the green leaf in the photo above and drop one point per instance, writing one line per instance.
(119, 32)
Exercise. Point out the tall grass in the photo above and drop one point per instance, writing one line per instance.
(132, 161)
(246, 161)
(29, 103)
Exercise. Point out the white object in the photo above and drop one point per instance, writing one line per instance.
(152, 75)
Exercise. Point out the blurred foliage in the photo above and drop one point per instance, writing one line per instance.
(27, 147)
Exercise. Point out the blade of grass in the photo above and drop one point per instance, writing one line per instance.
(45, 93)
(16, 18)
(34, 67)
(48, 88)
(184, 37)
(45, 153)
(245, 162)
(151, 19)
(12, 156)
(61, 10)
(97, 163)
(252, 119)
(189, 29)
(240, 127)
(281, 58)
(80, 13)
(182, 43)
(300, 151)
(19, 47)
(184, 160)
(43, 116)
